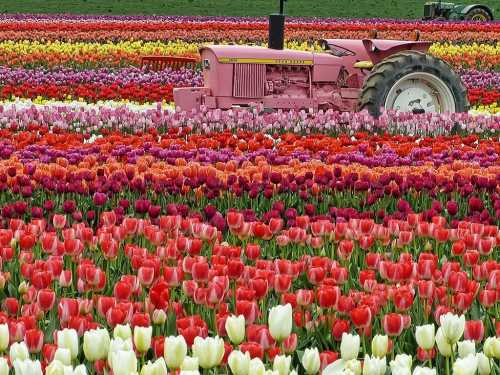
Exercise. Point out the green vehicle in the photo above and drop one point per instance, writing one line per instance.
(438, 10)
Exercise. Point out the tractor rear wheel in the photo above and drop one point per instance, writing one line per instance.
(477, 14)
(412, 81)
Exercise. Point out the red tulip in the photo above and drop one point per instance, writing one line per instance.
(290, 344)
(252, 251)
(474, 330)
(46, 299)
(59, 221)
(339, 327)
(327, 357)
(345, 249)
(393, 324)
(282, 283)
(361, 316)
(328, 297)
(403, 300)
(254, 349)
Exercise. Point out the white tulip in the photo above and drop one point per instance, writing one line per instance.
(425, 336)
(380, 345)
(239, 363)
(116, 345)
(190, 364)
(63, 355)
(280, 322)
(465, 366)
(27, 367)
(96, 344)
(142, 338)
(209, 351)
(235, 328)
(349, 346)
(374, 366)
(281, 364)
(272, 372)
(453, 327)
(4, 366)
(424, 371)
(123, 332)
(466, 347)
(442, 343)
(158, 367)
(68, 338)
(483, 364)
(293, 372)
(124, 362)
(187, 372)
(354, 366)
(491, 347)
(4, 337)
(311, 361)
(403, 360)
(256, 367)
(174, 352)
(56, 367)
(18, 350)
(80, 370)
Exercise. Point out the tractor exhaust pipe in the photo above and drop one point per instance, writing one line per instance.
(277, 29)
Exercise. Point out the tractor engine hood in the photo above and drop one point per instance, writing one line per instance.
(230, 54)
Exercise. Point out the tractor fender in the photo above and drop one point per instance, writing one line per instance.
(462, 10)
(380, 49)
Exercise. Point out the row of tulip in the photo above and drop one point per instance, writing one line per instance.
(141, 85)
(125, 53)
(86, 118)
(252, 29)
(178, 277)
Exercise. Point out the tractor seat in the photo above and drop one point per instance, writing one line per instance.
(158, 63)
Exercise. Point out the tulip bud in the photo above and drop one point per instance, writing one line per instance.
(280, 322)
(424, 371)
(27, 367)
(80, 370)
(281, 364)
(18, 351)
(374, 366)
(235, 328)
(466, 366)
(124, 362)
(175, 350)
(442, 343)
(239, 363)
(349, 346)
(380, 346)
(159, 317)
(491, 347)
(23, 288)
(4, 366)
(96, 344)
(190, 364)
(257, 367)
(56, 367)
(142, 338)
(158, 367)
(209, 351)
(4, 337)
(311, 361)
(122, 331)
(483, 364)
(401, 364)
(453, 327)
(425, 336)
(68, 338)
(466, 347)
(63, 355)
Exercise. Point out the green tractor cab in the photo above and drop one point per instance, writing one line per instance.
(438, 10)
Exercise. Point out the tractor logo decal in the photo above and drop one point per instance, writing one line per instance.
(238, 60)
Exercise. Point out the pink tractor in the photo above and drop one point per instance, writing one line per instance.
(348, 75)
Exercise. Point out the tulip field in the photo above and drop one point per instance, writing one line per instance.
(139, 239)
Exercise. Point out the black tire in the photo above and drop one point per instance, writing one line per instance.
(390, 70)
(477, 14)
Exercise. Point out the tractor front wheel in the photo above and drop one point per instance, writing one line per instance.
(477, 14)
(413, 81)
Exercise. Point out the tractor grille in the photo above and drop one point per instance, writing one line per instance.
(249, 80)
